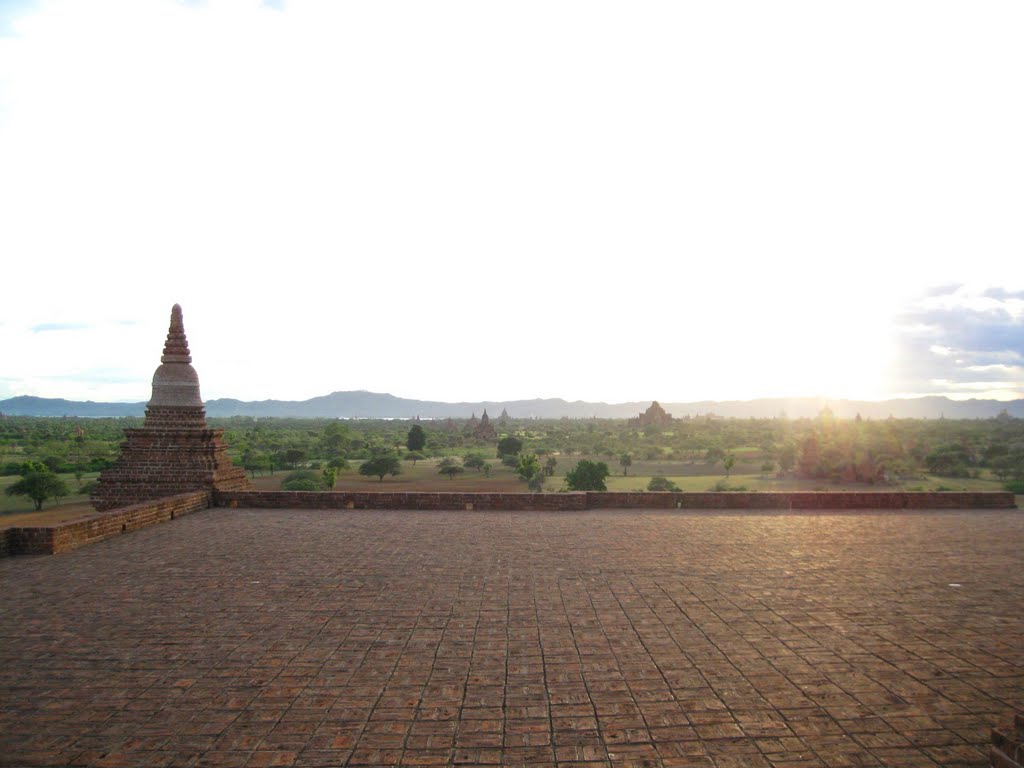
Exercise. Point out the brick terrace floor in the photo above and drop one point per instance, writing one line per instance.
(274, 637)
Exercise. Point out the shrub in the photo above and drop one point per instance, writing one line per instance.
(303, 484)
(659, 483)
(1015, 486)
(450, 467)
(723, 487)
(303, 480)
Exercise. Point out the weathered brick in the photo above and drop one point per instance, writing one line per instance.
(174, 451)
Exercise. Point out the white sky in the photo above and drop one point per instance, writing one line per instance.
(478, 200)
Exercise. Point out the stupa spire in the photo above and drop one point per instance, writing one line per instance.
(175, 383)
(174, 451)
(176, 347)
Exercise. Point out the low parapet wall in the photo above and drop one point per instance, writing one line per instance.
(402, 500)
(612, 500)
(64, 537)
(836, 500)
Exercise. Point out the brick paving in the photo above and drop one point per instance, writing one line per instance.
(303, 638)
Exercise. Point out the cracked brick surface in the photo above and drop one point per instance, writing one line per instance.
(300, 638)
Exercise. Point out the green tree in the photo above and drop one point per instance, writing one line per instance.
(413, 456)
(335, 439)
(474, 461)
(330, 476)
(338, 463)
(54, 463)
(255, 462)
(810, 457)
(1010, 465)
(587, 476)
(379, 466)
(714, 455)
(38, 486)
(527, 466)
(416, 439)
(549, 466)
(729, 462)
(290, 457)
(951, 460)
(787, 457)
(509, 446)
(626, 460)
(450, 467)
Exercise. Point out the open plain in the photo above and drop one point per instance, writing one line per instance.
(237, 637)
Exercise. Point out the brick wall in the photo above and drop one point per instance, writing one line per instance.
(155, 463)
(802, 500)
(400, 500)
(64, 537)
(612, 500)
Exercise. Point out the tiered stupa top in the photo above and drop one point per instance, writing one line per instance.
(175, 382)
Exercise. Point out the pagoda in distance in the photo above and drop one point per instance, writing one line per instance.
(174, 451)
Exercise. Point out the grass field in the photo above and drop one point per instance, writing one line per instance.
(689, 477)
(19, 510)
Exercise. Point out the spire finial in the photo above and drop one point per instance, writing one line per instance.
(176, 347)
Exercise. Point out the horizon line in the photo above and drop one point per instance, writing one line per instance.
(826, 398)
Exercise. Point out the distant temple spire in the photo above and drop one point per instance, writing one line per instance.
(485, 430)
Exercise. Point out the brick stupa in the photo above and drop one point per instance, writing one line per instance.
(174, 451)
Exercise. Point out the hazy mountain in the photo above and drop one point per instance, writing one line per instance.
(373, 405)
(44, 406)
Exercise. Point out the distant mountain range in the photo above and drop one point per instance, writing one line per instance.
(373, 405)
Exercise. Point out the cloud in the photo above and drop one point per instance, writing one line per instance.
(970, 331)
(956, 347)
(1002, 294)
(944, 290)
(44, 327)
(99, 376)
